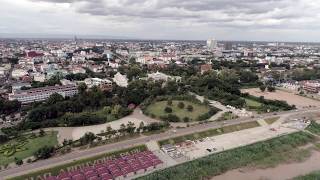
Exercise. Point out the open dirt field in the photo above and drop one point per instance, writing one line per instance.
(238, 138)
(291, 98)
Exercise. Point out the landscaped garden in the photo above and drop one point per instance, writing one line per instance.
(179, 109)
(25, 146)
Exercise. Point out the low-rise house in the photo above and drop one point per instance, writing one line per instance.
(103, 84)
(158, 76)
(18, 73)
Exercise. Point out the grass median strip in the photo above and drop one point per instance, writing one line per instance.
(271, 120)
(82, 162)
(211, 132)
(312, 176)
(219, 163)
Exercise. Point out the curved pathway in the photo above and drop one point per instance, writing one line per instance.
(77, 132)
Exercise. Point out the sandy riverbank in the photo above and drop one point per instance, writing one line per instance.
(283, 171)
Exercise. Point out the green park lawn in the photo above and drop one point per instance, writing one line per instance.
(252, 103)
(31, 146)
(157, 109)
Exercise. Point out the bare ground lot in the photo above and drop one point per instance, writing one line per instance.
(291, 98)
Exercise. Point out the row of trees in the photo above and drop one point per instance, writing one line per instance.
(263, 88)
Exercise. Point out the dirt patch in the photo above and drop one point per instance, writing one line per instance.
(292, 99)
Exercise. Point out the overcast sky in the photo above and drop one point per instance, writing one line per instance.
(264, 20)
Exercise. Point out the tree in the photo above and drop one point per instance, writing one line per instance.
(141, 126)
(82, 87)
(130, 127)
(181, 105)
(88, 138)
(18, 161)
(271, 89)
(190, 108)
(168, 110)
(3, 137)
(263, 88)
(122, 129)
(44, 152)
(54, 98)
(109, 132)
(248, 77)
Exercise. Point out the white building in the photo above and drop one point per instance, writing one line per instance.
(90, 82)
(158, 76)
(211, 44)
(18, 86)
(39, 77)
(42, 94)
(120, 80)
(18, 73)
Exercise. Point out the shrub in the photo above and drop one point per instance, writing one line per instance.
(18, 161)
(44, 152)
(173, 118)
(169, 102)
(168, 110)
(170, 118)
(271, 88)
(181, 105)
(186, 119)
(190, 108)
(153, 116)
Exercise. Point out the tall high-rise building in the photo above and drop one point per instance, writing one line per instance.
(228, 46)
(211, 44)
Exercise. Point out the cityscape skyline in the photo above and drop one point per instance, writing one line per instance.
(176, 19)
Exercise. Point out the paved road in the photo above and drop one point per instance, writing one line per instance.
(75, 155)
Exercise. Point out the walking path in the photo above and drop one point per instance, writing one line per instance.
(77, 132)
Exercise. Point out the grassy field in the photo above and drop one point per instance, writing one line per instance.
(157, 109)
(312, 176)
(252, 103)
(32, 145)
(263, 153)
(227, 116)
(211, 132)
(314, 128)
(271, 120)
(86, 161)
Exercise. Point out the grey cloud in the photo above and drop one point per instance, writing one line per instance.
(251, 13)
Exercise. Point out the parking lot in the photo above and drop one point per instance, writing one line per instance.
(206, 146)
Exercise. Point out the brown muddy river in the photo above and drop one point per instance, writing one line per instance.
(281, 172)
